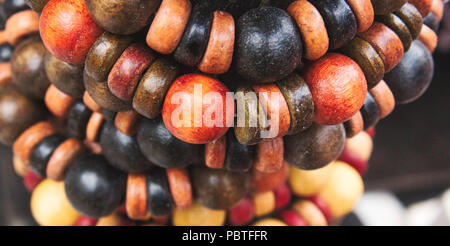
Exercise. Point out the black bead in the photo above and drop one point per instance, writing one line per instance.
(431, 21)
(412, 76)
(238, 156)
(159, 199)
(6, 51)
(10, 7)
(339, 20)
(94, 187)
(370, 112)
(109, 115)
(122, 151)
(163, 149)
(195, 39)
(234, 7)
(268, 45)
(43, 151)
(77, 120)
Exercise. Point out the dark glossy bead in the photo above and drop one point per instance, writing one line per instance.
(94, 187)
(382, 7)
(431, 21)
(412, 18)
(162, 148)
(122, 151)
(159, 198)
(412, 76)
(268, 45)
(37, 5)
(238, 157)
(10, 7)
(123, 16)
(315, 147)
(339, 20)
(64, 76)
(27, 67)
(77, 120)
(399, 27)
(370, 112)
(195, 38)
(42, 152)
(234, 7)
(6, 51)
(218, 188)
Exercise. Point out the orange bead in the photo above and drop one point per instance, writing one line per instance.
(429, 38)
(58, 102)
(384, 98)
(269, 155)
(215, 152)
(364, 13)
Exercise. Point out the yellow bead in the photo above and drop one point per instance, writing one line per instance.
(308, 183)
(269, 222)
(198, 215)
(111, 220)
(343, 189)
(310, 213)
(50, 206)
(264, 203)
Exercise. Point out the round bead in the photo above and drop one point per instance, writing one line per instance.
(269, 155)
(364, 13)
(127, 122)
(269, 222)
(215, 152)
(208, 183)
(196, 97)
(382, 7)
(384, 98)
(6, 51)
(242, 213)
(64, 76)
(370, 112)
(93, 187)
(163, 149)
(399, 27)
(257, 57)
(67, 29)
(180, 187)
(77, 120)
(122, 17)
(429, 38)
(320, 203)
(159, 199)
(136, 197)
(25, 143)
(50, 207)
(305, 183)
(62, 158)
(198, 215)
(20, 25)
(283, 196)
(291, 218)
(264, 203)
(168, 25)
(424, 6)
(354, 125)
(42, 152)
(57, 102)
(37, 5)
(338, 87)
(310, 213)
(412, 18)
(360, 144)
(269, 181)
(412, 76)
(238, 157)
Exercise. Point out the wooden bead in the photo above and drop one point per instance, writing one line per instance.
(194, 41)
(269, 222)
(429, 38)
(215, 153)
(6, 51)
(17, 113)
(370, 112)
(195, 128)
(136, 197)
(437, 8)
(242, 213)
(123, 17)
(338, 87)
(153, 86)
(5, 73)
(90, 103)
(77, 120)
(180, 187)
(198, 215)
(62, 158)
(163, 149)
(264, 203)
(384, 98)
(219, 52)
(269, 155)
(123, 151)
(159, 199)
(27, 141)
(424, 6)
(292, 218)
(127, 71)
(343, 189)
(94, 127)
(364, 13)
(339, 20)
(354, 125)
(101, 197)
(399, 27)
(208, 183)
(412, 18)
(67, 30)
(127, 122)
(361, 144)
(386, 42)
(238, 157)
(20, 25)
(382, 7)
(305, 183)
(27, 67)
(257, 57)
(64, 76)
(312, 28)
(43, 151)
(50, 207)
(37, 5)
(367, 58)
(310, 213)
(168, 25)
(300, 102)
(57, 102)
(262, 182)
(412, 76)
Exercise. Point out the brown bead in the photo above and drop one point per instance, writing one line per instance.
(57, 102)
(364, 13)
(5, 73)
(382, 7)
(136, 197)
(384, 98)
(310, 213)
(127, 71)
(94, 126)
(20, 25)
(429, 38)
(168, 25)
(412, 18)
(90, 103)
(264, 203)
(424, 6)
(219, 52)
(386, 42)
(399, 27)
(127, 122)
(66, 77)
(180, 187)
(312, 28)
(62, 157)
(215, 152)
(36, 5)
(269, 155)
(354, 125)
(437, 8)
(26, 142)
(269, 181)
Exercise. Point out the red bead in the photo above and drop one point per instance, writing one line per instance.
(242, 213)
(282, 196)
(371, 132)
(291, 218)
(338, 87)
(162, 220)
(31, 180)
(323, 206)
(353, 160)
(67, 30)
(85, 221)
